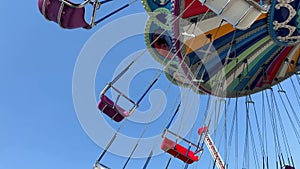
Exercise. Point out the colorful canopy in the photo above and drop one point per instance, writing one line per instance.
(217, 58)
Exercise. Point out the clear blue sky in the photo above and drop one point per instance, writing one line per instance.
(38, 123)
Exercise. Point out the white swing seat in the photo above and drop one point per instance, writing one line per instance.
(100, 166)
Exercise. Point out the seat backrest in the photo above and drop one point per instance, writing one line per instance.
(288, 167)
(167, 144)
(70, 18)
(108, 107)
(178, 151)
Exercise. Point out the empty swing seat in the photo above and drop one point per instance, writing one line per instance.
(288, 167)
(70, 17)
(108, 107)
(100, 166)
(179, 151)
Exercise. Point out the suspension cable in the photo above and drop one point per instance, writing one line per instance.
(246, 144)
(236, 135)
(264, 133)
(290, 104)
(279, 149)
(295, 91)
(258, 128)
(288, 114)
(232, 128)
(285, 139)
(254, 151)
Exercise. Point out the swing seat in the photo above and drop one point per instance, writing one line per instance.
(202, 130)
(108, 107)
(288, 167)
(179, 151)
(100, 166)
(70, 18)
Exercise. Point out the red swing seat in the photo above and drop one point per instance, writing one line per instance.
(112, 110)
(202, 130)
(70, 17)
(179, 151)
(288, 167)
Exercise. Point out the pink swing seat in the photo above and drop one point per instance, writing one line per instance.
(112, 110)
(179, 151)
(70, 18)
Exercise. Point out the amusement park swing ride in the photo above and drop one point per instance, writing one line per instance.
(227, 48)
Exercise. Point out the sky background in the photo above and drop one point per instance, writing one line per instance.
(38, 124)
